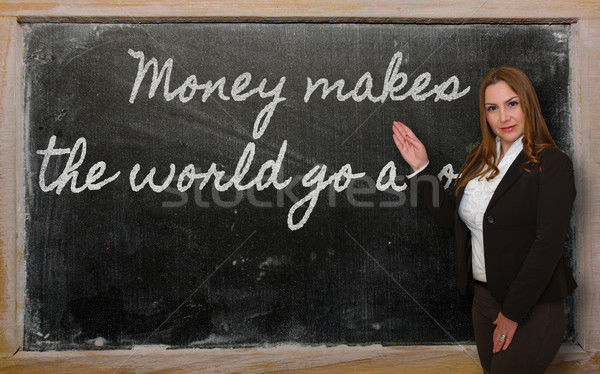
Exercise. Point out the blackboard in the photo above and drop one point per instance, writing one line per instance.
(111, 262)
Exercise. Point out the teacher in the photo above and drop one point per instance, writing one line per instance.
(510, 215)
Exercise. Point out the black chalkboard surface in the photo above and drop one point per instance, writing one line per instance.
(229, 184)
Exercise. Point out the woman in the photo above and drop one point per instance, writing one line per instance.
(510, 215)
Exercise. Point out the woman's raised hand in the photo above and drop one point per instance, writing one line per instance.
(410, 146)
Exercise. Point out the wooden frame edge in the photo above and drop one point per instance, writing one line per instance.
(586, 91)
(10, 331)
(585, 79)
(301, 19)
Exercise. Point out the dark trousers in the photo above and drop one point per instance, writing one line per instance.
(534, 344)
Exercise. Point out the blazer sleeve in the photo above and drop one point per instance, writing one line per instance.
(556, 193)
(440, 203)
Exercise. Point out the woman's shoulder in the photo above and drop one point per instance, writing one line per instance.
(555, 158)
(553, 154)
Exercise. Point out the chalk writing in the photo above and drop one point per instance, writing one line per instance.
(389, 171)
(447, 172)
(188, 89)
(270, 172)
(316, 178)
(70, 172)
(267, 176)
(394, 82)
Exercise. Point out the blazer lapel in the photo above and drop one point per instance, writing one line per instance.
(512, 174)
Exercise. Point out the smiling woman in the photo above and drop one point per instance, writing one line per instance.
(510, 215)
(504, 114)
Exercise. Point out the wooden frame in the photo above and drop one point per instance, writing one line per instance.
(584, 15)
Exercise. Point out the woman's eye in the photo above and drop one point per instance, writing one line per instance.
(491, 108)
(513, 104)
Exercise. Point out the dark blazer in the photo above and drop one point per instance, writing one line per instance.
(524, 231)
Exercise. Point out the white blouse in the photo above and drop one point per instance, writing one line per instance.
(477, 196)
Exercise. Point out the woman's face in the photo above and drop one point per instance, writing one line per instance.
(504, 113)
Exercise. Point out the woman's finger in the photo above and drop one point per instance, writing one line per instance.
(400, 127)
(409, 131)
(412, 150)
(507, 342)
(401, 131)
(503, 333)
(502, 345)
(408, 135)
(399, 143)
(397, 132)
(498, 343)
(414, 141)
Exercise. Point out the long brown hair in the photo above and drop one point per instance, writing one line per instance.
(536, 137)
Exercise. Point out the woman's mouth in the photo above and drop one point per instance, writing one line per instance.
(508, 128)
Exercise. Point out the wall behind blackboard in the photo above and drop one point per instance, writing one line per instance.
(114, 267)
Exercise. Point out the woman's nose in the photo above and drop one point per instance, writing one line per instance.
(504, 116)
